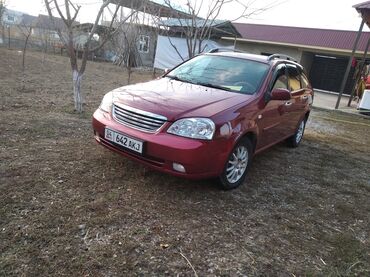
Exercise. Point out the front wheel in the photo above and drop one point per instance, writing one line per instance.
(236, 167)
(294, 140)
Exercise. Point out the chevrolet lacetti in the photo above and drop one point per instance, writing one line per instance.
(208, 116)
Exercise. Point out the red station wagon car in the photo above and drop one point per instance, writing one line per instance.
(208, 116)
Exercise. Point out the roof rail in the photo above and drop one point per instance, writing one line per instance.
(281, 56)
(216, 50)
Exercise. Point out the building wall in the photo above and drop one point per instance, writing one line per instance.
(324, 74)
(259, 48)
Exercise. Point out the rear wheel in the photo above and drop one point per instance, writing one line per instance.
(294, 140)
(236, 167)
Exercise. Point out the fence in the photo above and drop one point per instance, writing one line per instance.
(14, 37)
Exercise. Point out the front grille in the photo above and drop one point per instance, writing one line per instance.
(138, 119)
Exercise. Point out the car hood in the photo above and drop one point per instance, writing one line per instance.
(175, 99)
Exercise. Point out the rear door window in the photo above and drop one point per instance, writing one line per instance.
(281, 80)
(294, 77)
(305, 82)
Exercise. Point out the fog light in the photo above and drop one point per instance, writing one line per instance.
(178, 167)
(96, 135)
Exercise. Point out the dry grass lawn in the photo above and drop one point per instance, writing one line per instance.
(69, 207)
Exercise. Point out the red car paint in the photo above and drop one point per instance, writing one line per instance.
(265, 121)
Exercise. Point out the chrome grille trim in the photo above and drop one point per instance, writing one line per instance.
(137, 119)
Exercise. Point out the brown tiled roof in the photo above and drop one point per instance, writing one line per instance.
(44, 22)
(321, 38)
(28, 20)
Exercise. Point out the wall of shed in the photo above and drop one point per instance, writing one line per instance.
(147, 59)
(258, 48)
(133, 33)
(307, 60)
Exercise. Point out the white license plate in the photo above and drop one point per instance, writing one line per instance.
(123, 140)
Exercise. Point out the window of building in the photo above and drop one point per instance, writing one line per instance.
(10, 18)
(144, 44)
(54, 34)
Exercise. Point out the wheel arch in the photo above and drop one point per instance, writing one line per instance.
(307, 114)
(252, 136)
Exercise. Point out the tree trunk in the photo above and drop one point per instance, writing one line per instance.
(3, 33)
(45, 49)
(129, 68)
(77, 96)
(24, 50)
(8, 37)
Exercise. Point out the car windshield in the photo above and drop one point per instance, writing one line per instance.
(228, 73)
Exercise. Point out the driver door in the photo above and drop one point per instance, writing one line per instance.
(272, 120)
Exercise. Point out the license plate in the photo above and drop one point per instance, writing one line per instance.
(123, 140)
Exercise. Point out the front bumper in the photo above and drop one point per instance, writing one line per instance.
(200, 158)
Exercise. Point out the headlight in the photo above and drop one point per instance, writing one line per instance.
(106, 103)
(197, 128)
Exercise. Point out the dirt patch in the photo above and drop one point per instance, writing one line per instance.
(70, 207)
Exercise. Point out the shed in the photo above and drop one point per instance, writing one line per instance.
(323, 52)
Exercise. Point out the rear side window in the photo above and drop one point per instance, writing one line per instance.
(305, 82)
(281, 80)
(294, 78)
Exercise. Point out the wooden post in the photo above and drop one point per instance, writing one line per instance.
(361, 69)
(346, 74)
(8, 36)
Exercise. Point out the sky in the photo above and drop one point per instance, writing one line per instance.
(325, 14)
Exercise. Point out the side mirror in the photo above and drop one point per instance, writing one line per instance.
(280, 94)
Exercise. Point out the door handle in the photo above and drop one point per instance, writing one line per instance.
(288, 103)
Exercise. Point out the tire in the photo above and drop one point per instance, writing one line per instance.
(237, 165)
(295, 140)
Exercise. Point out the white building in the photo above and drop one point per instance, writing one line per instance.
(11, 17)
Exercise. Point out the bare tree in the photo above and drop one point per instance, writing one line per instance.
(127, 40)
(44, 37)
(26, 31)
(129, 35)
(202, 20)
(2, 10)
(68, 15)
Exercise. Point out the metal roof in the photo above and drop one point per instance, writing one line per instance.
(364, 5)
(364, 10)
(219, 27)
(323, 38)
(155, 7)
(177, 22)
(87, 27)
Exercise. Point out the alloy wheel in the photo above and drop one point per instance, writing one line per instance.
(300, 131)
(237, 164)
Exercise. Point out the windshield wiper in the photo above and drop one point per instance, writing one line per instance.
(172, 77)
(214, 86)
